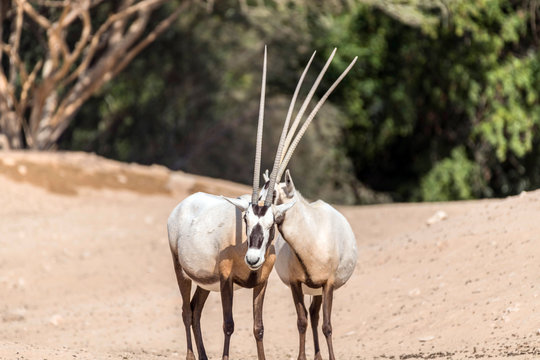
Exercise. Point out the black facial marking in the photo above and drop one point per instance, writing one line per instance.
(260, 210)
(271, 237)
(256, 237)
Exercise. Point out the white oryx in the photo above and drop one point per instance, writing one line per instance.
(315, 254)
(316, 249)
(205, 237)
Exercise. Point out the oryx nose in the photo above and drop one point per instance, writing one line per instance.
(252, 260)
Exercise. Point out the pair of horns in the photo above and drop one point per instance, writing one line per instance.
(285, 148)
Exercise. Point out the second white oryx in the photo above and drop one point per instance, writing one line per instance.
(316, 249)
(206, 241)
(316, 254)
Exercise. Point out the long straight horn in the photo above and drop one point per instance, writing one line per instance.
(277, 160)
(304, 127)
(257, 168)
(306, 103)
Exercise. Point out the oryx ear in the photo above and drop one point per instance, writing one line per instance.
(266, 177)
(289, 185)
(241, 204)
(279, 211)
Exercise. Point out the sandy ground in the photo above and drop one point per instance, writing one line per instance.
(86, 272)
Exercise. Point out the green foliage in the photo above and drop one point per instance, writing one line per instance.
(442, 104)
(509, 122)
(426, 98)
(454, 178)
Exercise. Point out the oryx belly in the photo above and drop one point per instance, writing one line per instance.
(210, 287)
(310, 291)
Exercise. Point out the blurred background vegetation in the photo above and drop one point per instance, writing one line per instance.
(441, 105)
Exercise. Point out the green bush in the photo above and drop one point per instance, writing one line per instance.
(453, 178)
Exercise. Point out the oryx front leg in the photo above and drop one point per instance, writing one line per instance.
(314, 310)
(258, 327)
(301, 313)
(228, 322)
(328, 296)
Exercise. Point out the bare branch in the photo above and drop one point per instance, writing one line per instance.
(15, 40)
(108, 68)
(7, 90)
(56, 42)
(3, 12)
(7, 94)
(29, 9)
(101, 73)
(51, 3)
(162, 26)
(28, 84)
(94, 43)
(14, 59)
(70, 59)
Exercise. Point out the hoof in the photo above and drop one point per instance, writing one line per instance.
(318, 356)
(190, 356)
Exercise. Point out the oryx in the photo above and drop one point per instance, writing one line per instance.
(205, 237)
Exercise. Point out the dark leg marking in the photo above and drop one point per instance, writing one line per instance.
(258, 327)
(301, 313)
(185, 291)
(197, 304)
(314, 310)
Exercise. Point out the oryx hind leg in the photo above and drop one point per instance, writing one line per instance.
(197, 304)
(328, 297)
(301, 322)
(184, 284)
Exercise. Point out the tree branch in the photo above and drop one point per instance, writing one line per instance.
(95, 42)
(70, 58)
(29, 9)
(15, 40)
(160, 28)
(108, 67)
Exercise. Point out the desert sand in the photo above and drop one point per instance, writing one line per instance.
(86, 272)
